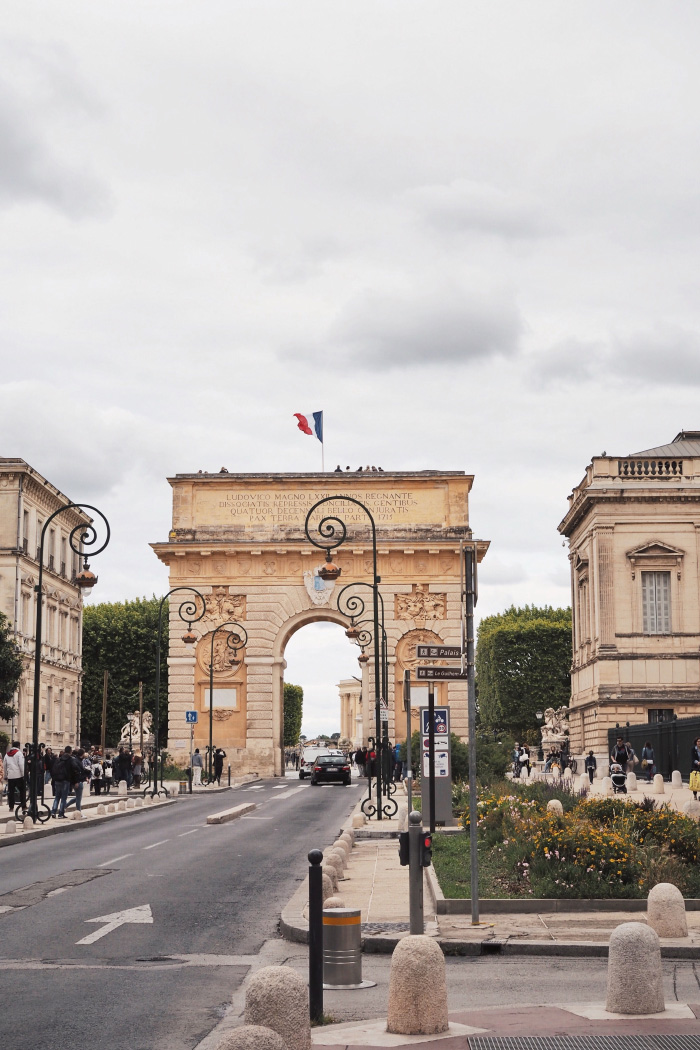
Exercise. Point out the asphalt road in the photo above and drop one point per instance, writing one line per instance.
(214, 894)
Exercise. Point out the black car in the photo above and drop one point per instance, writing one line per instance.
(330, 769)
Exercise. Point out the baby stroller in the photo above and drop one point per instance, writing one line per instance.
(619, 779)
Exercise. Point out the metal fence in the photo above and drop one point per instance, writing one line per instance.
(672, 742)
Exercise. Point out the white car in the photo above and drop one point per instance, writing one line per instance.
(308, 757)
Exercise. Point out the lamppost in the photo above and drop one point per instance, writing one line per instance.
(81, 536)
(234, 642)
(332, 532)
(187, 612)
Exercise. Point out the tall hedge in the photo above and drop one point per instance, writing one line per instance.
(523, 664)
(120, 637)
(293, 704)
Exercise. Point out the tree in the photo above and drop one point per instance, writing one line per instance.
(523, 663)
(293, 704)
(11, 668)
(120, 637)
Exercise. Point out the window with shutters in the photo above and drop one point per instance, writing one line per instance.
(656, 602)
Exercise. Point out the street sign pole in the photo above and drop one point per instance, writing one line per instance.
(409, 766)
(469, 559)
(431, 755)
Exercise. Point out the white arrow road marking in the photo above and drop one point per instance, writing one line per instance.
(118, 918)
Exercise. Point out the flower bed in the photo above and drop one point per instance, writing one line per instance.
(599, 847)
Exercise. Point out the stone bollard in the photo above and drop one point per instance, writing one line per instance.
(101, 809)
(252, 1037)
(691, 808)
(403, 816)
(342, 845)
(349, 834)
(27, 824)
(606, 786)
(138, 803)
(417, 988)
(631, 781)
(121, 806)
(122, 787)
(75, 814)
(658, 788)
(278, 998)
(337, 859)
(358, 820)
(326, 887)
(567, 774)
(131, 803)
(11, 828)
(583, 782)
(555, 806)
(331, 872)
(635, 978)
(676, 779)
(666, 910)
(333, 902)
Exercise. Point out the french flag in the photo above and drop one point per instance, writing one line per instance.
(310, 423)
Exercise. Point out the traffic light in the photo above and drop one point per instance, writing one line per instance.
(426, 849)
(403, 848)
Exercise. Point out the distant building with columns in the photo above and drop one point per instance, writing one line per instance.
(351, 725)
(633, 527)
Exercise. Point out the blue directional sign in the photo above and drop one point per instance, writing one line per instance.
(190, 717)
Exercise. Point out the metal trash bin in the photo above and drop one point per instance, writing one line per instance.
(184, 784)
(342, 949)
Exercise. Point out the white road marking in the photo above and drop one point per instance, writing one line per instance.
(154, 844)
(183, 833)
(257, 818)
(279, 787)
(108, 862)
(286, 794)
(142, 914)
(258, 787)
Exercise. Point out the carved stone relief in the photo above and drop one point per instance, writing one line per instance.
(406, 648)
(318, 590)
(222, 606)
(223, 653)
(420, 605)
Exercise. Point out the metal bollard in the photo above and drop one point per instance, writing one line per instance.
(229, 774)
(315, 936)
(342, 949)
(183, 786)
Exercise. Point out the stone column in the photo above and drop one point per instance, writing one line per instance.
(606, 610)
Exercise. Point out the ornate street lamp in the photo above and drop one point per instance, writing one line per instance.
(234, 642)
(189, 614)
(81, 536)
(331, 533)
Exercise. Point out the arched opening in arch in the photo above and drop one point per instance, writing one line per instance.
(316, 655)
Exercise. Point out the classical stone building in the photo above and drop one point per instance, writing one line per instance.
(239, 540)
(26, 501)
(351, 726)
(633, 527)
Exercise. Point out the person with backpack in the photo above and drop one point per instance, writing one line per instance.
(107, 769)
(590, 766)
(648, 764)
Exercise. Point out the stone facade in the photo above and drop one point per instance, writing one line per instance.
(240, 538)
(352, 726)
(26, 501)
(633, 527)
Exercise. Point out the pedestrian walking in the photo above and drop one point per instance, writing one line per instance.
(97, 775)
(360, 761)
(695, 767)
(62, 773)
(648, 763)
(632, 759)
(197, 768)
(83, 776)
(619, 754)
(398, 764)
(590, 766)
(14, 769)
(219, 756)
(107, 770)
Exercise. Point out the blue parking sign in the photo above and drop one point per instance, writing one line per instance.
(190, 717)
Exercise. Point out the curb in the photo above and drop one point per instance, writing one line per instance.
(75, 825)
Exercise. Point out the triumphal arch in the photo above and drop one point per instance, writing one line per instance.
(239, 539)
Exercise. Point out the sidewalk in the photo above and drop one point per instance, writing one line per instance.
(377, 884)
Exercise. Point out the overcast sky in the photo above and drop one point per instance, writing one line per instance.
(467, 231)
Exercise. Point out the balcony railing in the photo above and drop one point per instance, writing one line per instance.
(650, 468)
